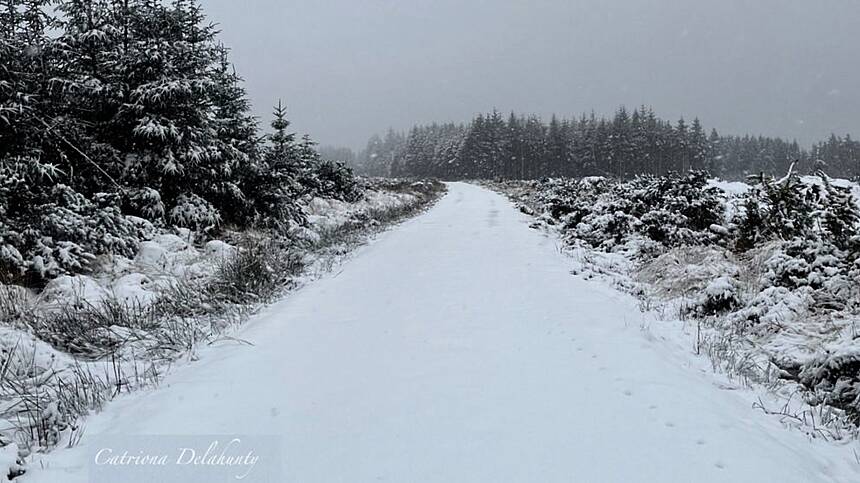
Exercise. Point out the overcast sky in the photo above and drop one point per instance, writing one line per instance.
(349, 68)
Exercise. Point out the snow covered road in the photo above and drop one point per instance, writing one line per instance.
(458, 348)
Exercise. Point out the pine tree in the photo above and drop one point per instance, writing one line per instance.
(714, 160)
(840, 214)
(283, 142)
(556, 148)
(307, 153)
(782, 209)
(698, 147)
(238, 146)
(372, 159)
(681, 146)
(278, 178)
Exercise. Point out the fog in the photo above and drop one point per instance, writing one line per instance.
(349, 68)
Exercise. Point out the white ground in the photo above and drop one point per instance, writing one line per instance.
(458, 348)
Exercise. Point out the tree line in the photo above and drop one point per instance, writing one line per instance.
(117, 116)
(623, 146)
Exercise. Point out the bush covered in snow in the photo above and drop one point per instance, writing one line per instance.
(672, 210)
(192, 211)
(833, 377)
(61, 231)
(335, 180)
(720, 296)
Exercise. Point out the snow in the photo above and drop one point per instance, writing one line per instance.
(329, 212)
(738, 188)
(733, 188)
(66, 288)
(28, 352)
(458, 347)
(219, 249)
(720, 287)
(9, 459)
(842, 183)
(719, 230)
(158, 263)
(151, 254)
(134, 288)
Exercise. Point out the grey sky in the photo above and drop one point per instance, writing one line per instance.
(349, 68)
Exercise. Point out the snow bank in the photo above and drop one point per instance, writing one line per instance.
(159, 262)
(171, 257)
(733, 188)
(66, 288)
(326, 213)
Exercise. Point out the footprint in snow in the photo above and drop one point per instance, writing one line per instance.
(628, 392)
(670, 424)
(700, 442)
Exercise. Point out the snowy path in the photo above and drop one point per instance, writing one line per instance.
(458, 348)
